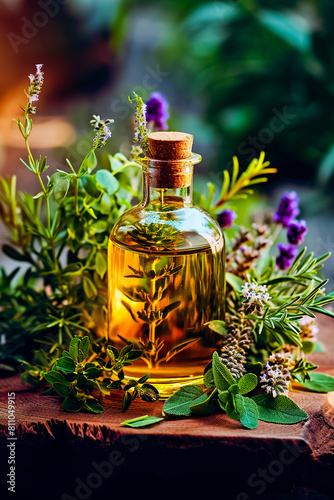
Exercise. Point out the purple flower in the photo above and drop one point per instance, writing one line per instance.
(287, 254)
(226, 218)
(296, 231)
(34, 89)
(287, 209)
(156, 110)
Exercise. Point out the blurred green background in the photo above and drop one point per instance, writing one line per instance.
(242, 76)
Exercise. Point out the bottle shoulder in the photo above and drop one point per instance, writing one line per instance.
(186, 228)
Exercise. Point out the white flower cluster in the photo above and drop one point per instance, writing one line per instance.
(255, 293)
(275, 377)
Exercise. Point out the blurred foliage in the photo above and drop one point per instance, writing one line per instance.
(250, 75)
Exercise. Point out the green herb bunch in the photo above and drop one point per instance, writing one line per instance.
(57, 296)
(59, 239)
(77, 379)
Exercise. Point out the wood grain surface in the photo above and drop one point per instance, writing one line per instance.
(59, 454)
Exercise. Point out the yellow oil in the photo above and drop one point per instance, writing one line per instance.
(161, 302)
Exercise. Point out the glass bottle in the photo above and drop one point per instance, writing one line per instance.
(166, 271)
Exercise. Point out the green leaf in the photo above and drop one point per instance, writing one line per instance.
(247, 410)
(112, 352)
(74, 347)
(126, 401)
(235, 282)
(247, 383)
(225, 396)
(66, 364)
(13, 254)
(143, 421)
(231, 410)
(107, 181)
(171, 307)
(100, 265)
(53, 376)
(308, 346)
(207, 407)
(221, 375)
(143, 379)
(60, 184)
(89, 162)
(89, 185)
(71, 404)
(61, 389)
(255, 368)
(105, 204)
(218, 327)
(83, 348)
(322, 310)
(279, 410)
(234, 389)
(183, 399)
(89, 288)
(92, 372)
(181, 346)
(93, 406)
(208, 379)
(320, 382)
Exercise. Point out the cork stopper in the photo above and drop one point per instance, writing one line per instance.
(170, 145)
(170, 149)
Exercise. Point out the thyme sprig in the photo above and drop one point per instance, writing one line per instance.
(77, 379)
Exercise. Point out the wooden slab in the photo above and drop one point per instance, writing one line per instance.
(59, 454)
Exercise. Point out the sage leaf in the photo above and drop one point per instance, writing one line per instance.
(255, 368)
(225, 396)
(143, 421)
(208, 379)
(247, 383)
(234, 389)
(231, 411)
(182, 400)
(320, 382)
(207, 407)
(221, 375)
(247, 410)
(279, 410)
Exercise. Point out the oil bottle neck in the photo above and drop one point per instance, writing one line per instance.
(167, 185)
